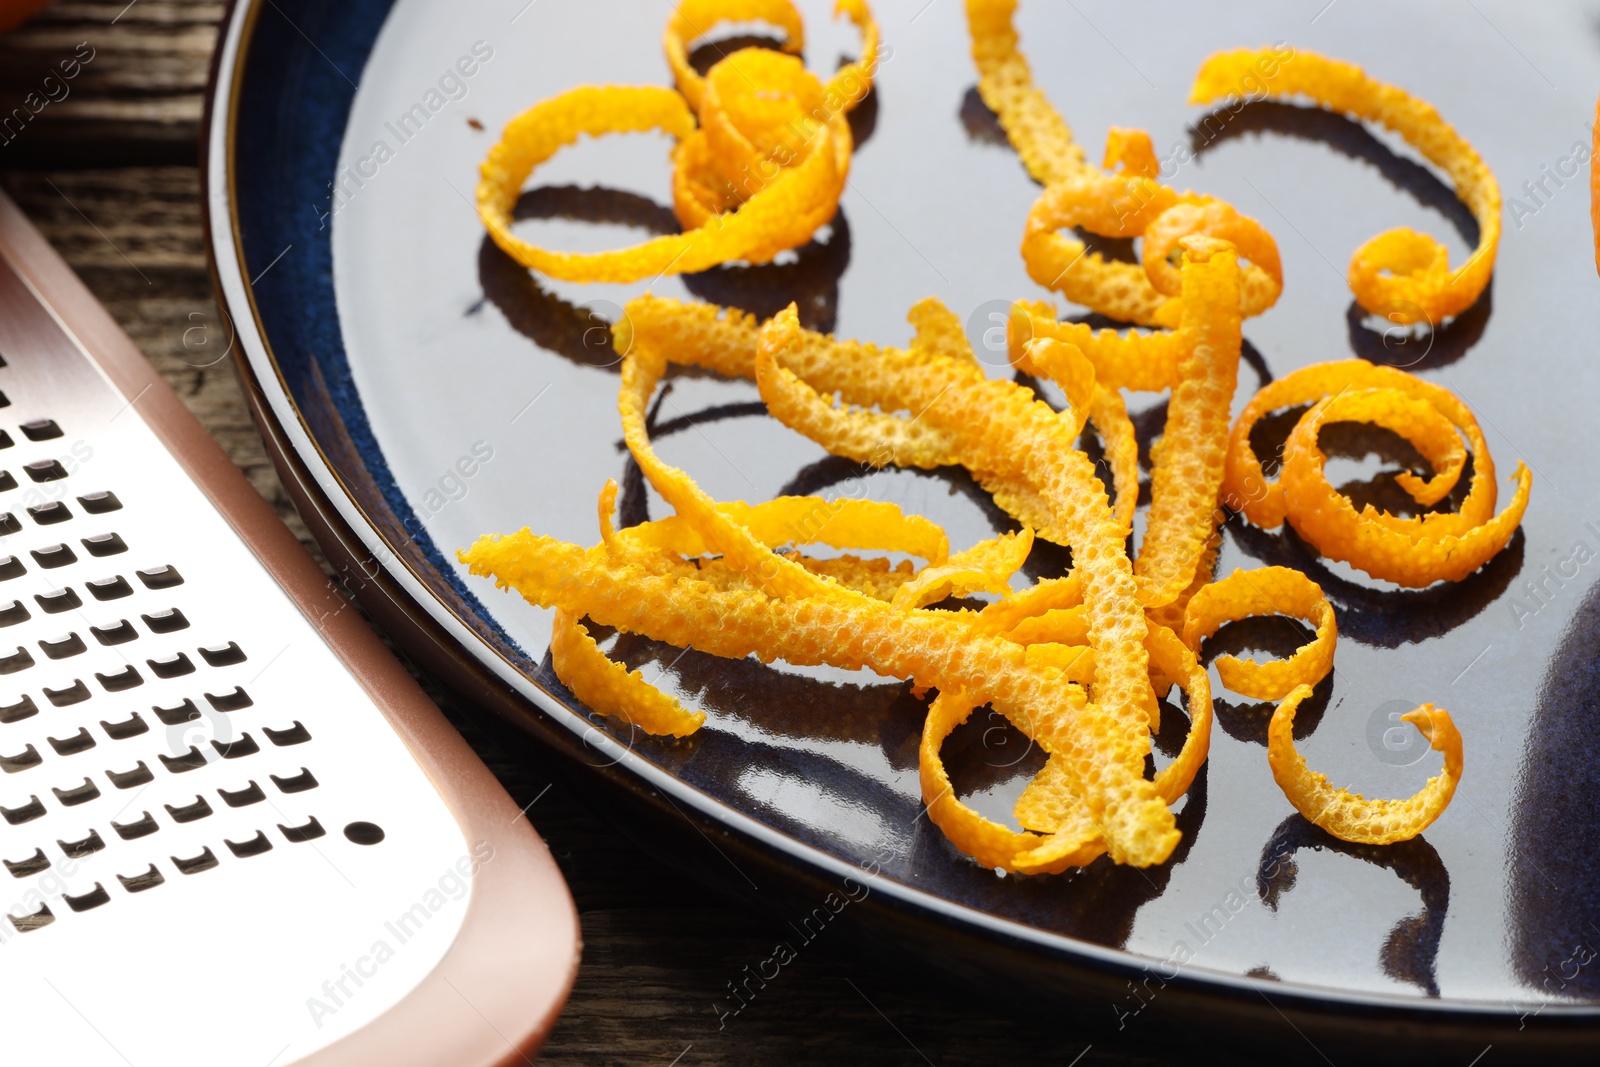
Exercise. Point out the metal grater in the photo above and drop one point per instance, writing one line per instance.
(216, 846)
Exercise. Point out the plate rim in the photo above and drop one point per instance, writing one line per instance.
(261, 374)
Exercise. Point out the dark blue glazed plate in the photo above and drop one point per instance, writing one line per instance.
(420, 389)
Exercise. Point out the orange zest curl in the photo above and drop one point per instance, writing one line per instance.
(1400, 274)
(1351, 816)
(1265, 591)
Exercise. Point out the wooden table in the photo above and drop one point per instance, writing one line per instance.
(109, 174)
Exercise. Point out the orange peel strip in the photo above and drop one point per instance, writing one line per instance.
(609, 688)
(1245, 486)
(1050, 594)
(852, 82)
(1117, 205)
(1035, 128)
(693, 19)
(1400, 274)
(1191, 457)
(1143, 362)
(843, 522)
(1351, 816)
(1594, 186)
(986, 567)
(783, 214)
(1265, 591)
(1413, 552)
(985, 840)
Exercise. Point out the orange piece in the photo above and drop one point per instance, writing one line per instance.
(693, 19)
(1402, 275)
(1351, 816)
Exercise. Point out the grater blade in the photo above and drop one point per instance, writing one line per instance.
(216, 845)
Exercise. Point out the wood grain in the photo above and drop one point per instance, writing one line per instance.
(108, 175)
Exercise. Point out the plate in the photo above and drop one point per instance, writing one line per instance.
(422, 389)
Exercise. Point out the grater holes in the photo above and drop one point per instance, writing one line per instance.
(57, 601)
(132, 726)
(7, 482)
(112, 588)
(294, 735)
(234, 701)
(244, 746)
(298, 783)
(165, 622)
(120, 634)
(13, 613)
(100, 503)
(37, 921)
(33, 809)
(84, 848)
(223, 655)
(195, 810)
(22, 709)
(243, 798)
(143, 826)
(140, 775)
(40, 429)
(11, 567)
(120, 681)
(52, 556)
(5, 439)
(253, 847)
(82, 741)
(194, 865)
(40, 470)
(364, 833)
(12, 662)
(174, 666)
(49, 513)
(92, 899)
(174, 716)
(63, 647)
(22, 761)
(309, 831)
(78, 794)
(163, 577)
(106, 544)
(9, 524)
(76, 693)
(138, 883)
(28, 867)
(191, 760)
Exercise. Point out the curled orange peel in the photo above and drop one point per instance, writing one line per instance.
(1247, 488)
(760, 174)
(1265, 591)
(1351, 816)
(1400, 274)
(695, 19)
(1413, 552)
